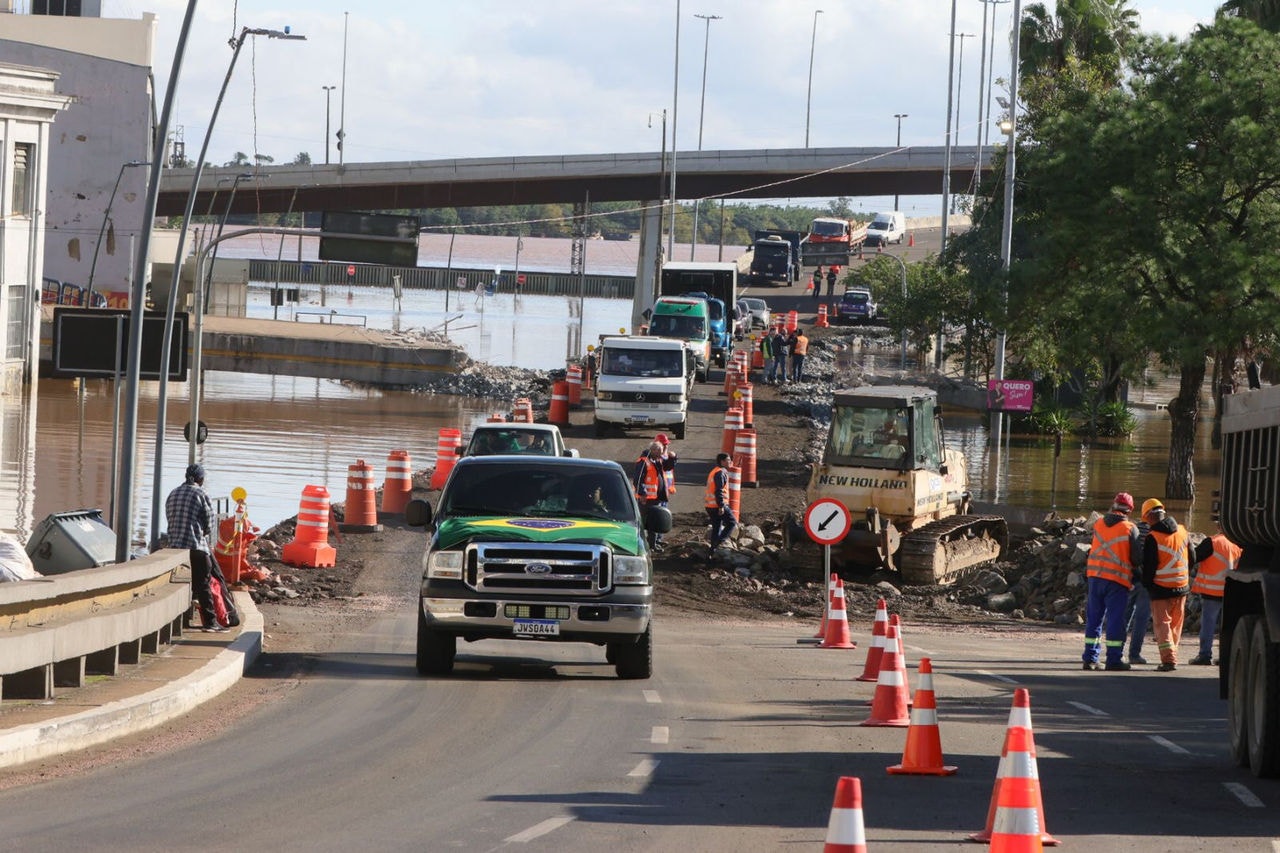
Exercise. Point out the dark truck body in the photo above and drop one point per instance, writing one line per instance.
(775, 256)
(1248, 508)
(717, 282)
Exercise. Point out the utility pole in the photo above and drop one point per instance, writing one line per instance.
(327, 91)
(898, 145)
(706, 43)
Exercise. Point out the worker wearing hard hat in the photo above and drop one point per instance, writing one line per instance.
(1167, 559)
(1110, 570)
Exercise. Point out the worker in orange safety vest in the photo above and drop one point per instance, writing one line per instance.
(1215, 556)
(1110, 572)
(1167, 560)
(651, 485)
(716, 502)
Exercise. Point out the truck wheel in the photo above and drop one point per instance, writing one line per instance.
(1238, 691)
(435, 651)
(678, 430)
(635, 660)
(1264, 703)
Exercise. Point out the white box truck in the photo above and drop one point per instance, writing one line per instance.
(643, 382)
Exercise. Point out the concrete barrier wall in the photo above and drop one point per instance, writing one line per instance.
(55, 630)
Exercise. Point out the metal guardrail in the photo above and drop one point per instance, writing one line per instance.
(57, 630)
(331, 317)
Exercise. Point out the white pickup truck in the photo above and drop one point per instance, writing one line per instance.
(493, 439)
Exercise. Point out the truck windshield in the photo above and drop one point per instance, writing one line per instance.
(642, 362)
(828, 229)
(878, 226)
(538, 490)
(868, 436)
(773, 249)
(676, 326)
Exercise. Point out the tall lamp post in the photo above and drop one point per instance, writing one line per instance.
(959, 94)
(675, 114)
(898, 144)
(327, 100)
(808, 100)
(702, 109)
(106, 215)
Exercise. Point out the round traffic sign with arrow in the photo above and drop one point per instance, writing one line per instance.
(827, 521)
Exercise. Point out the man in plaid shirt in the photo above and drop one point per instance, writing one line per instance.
(189, 513)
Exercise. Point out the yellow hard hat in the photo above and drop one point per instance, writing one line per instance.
(1151, 504)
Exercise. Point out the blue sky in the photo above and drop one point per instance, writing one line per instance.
(430, 79)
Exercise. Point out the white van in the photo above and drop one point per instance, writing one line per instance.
(886, 228)
(643, 382)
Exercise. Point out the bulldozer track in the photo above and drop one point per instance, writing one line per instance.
(944, 550)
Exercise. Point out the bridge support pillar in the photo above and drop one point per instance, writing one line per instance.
(647, 262)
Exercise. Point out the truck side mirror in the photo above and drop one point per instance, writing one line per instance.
(417, 513)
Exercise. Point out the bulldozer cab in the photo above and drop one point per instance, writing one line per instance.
(884, 428)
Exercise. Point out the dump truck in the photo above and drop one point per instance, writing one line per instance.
(1247, 506)
(775, 256)
(832, 241)
(907, 493)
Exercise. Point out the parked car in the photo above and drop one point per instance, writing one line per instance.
(758, 309)
(741, 321)
(856, 306)
(494, 439)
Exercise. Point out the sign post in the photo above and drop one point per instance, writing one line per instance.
(827, 521)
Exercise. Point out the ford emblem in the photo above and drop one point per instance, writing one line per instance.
(537, 569)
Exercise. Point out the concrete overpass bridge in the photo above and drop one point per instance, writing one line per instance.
(488, 181)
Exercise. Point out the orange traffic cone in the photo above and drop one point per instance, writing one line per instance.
(911, 239)
(826, 607)
(895, 622)
(1017, 825)
(922, 755)
(889, 706)
(845, 832)
(871, 669)
(837, 623)
(1017, 768)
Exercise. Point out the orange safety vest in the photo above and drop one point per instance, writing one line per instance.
(1172, 570)
(1211, 575)
(648, 490)
(709, 499)
(801, 346)
(1109, 556)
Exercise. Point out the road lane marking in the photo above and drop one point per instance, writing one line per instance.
(652, 697)
(661, 734)
(539, 829)
(996, 677)
(644, 768)
(1089, 709)
(1250, 799)
(1169, 745)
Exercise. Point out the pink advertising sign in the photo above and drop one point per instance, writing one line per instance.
(1010, 395)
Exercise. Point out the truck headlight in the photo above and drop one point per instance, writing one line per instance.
(604, 395)
(445, 564)
(631, 570)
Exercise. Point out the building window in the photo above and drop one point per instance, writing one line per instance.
(15, 333)
(23, 160)
(67, 8)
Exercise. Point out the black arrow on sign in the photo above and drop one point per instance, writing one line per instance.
(830, 518)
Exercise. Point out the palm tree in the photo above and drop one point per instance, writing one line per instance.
(1096, 33)
(1264, 13)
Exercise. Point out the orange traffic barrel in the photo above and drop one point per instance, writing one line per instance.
(793, 320)
(310, 546)
(743, 398)
(744, 457)
(229, 552)
(523, 410)
(822, 317)
(398, 486)
(559, 411)
(732, 423)
(735, 491)
(448, 443)
(757, 358)
(360, 515)
(575, 384)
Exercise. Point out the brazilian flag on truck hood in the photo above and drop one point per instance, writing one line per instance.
(622, 538)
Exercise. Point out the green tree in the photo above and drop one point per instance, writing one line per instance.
(1264, 13)
(240, 159)
(302, 158)
(1096, 32)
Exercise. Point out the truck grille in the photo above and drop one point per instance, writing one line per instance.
(534, 568)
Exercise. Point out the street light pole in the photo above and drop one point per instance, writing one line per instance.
(106, 214)
(327, 100)
(675, 113)
(899, 117)
(808, 100)
(702, 109)
(959, 92)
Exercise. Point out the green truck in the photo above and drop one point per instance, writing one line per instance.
(549, 549)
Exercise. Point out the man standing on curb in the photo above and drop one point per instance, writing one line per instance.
(778, 348)
(650, 483)
(1166, 572)
(189, 514)
(716, 501)
(1215, 556)
(1110, 575)
(799, 346)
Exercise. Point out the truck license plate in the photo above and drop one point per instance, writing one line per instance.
(638, 419)
(536, 628)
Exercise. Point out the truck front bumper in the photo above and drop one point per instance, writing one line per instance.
(619, 616)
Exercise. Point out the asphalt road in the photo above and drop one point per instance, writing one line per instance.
(735, 744)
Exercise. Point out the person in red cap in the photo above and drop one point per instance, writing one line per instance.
(662, 463)
(1113, 564)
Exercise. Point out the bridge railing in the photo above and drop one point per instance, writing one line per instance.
(57, 630)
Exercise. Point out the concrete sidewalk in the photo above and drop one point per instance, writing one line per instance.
(191, 670)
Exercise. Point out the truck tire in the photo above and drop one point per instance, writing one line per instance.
(435, 651)
(1261, 716)
(634, 660)
(678, 430)
(1238, 691)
